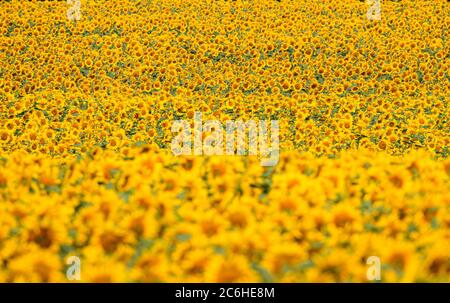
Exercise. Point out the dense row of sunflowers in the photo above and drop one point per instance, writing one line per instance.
(157, 217)
(86, 110)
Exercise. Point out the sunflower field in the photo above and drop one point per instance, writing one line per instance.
(86, 167)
